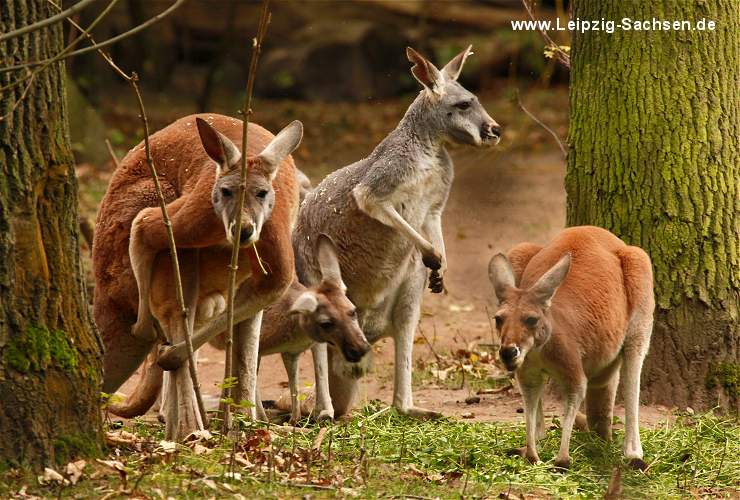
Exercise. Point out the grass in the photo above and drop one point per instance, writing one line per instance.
(378, 453)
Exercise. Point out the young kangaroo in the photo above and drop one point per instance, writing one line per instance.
(290, 326)
(600, 320)
(197, 161)
(385, 214)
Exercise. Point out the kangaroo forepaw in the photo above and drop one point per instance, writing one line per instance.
(432, 260)
(436, 284)
(420, 413)
(170, 358)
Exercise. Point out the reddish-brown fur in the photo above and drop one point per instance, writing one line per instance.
(599, 318)
(187, 175)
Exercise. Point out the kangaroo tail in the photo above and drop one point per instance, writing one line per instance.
(145, 393)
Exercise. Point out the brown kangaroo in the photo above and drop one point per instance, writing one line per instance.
(197, 159)
(600, 320)
(290, 326)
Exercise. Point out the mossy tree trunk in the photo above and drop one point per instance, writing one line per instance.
(655, 158)
(50, 355)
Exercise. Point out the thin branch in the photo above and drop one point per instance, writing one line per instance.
(112, 154)
(133, 81)
(47, 22)
(539, 122)
(562, 56)
(98, 46)
(234, 265)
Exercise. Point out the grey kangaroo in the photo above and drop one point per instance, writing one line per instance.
(385, 215)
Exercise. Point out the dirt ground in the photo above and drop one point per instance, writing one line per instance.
(498, 199)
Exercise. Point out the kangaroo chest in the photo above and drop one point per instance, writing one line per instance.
(427, 186)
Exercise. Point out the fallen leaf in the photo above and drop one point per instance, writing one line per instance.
(50, 476)
(73, 470)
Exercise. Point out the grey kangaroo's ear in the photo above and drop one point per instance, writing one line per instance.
(328, 260)
(454, 67)
(306, 303)
(425, 72)
(218, 146)
(281, 146)
(501, 275)
(549, 282)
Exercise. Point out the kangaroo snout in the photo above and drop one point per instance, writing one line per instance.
(354, 353)
(246, 233)
(489, 131)
(510, 356)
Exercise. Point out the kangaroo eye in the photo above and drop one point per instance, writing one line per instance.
(531, 321)
(226, 192)
(462, 105)
(499, 321)
(261, 194)
(326, 325)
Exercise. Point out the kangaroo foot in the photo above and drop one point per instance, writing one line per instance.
(419, 413)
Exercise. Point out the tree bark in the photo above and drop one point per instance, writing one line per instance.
(655, 158)
(50, 363)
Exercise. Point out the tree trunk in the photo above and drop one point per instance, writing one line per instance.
(50, 363)
(655, 158)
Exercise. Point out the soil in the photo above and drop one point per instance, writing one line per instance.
(498, 199)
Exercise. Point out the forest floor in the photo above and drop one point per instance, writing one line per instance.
(501, 196)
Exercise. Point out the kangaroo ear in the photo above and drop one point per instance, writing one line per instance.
(328, 260)
(306, 303)
(425, 72)
(281, 146)
(454, 67)
(217, 145)
(501, 275)
(549, 282)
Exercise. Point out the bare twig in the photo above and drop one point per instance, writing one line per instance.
(112, 154)
(562, 56)
(431, 348)
(539, 122)
(133, 79)
(103, 44)
(46, 22)
(234, 264)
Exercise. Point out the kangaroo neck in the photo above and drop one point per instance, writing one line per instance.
(417, 132)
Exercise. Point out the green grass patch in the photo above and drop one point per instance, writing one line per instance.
(379, 453)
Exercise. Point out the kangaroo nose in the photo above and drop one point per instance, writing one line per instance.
(246, 233)
(355, 354)
(490, 130)
(508, 354)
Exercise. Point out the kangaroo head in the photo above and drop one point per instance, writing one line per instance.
(259, 196)
(325, 312)
(452, 110)
(523, 318)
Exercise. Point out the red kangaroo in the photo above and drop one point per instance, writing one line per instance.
(600, 320)
(302, 316)
(198, 165)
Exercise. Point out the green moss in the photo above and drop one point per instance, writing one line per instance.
(38, 348)
(70, 446)
(727, 376)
